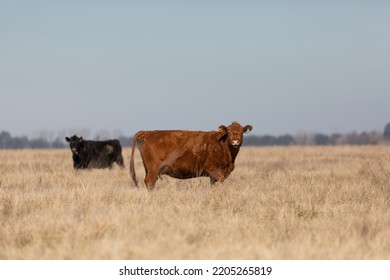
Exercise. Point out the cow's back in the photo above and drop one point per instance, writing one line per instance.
(101, 154)
(164, 143)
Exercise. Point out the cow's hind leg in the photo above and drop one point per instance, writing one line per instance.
(150, 179)
(119, 161)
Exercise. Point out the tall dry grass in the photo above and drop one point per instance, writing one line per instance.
(279, 203)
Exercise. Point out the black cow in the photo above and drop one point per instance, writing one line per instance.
(95, 154)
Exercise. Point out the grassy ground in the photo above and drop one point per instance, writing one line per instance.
(279, 203)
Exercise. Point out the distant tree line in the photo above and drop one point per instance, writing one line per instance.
(9, 142)
(316, 139)
(300, 139)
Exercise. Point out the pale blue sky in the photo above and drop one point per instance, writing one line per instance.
(282, 66)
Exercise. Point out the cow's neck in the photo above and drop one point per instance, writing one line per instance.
(233, 152)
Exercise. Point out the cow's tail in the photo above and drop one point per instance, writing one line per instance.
(133, 144)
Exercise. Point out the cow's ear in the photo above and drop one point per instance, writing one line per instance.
(67, 139)
(247, 128)
(223, 130)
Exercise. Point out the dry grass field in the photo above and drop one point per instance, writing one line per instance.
(279, 203)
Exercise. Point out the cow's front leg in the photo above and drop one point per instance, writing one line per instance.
(216, 176)
(212, 180)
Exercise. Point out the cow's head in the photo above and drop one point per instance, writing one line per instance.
(234, 133)
(76, 144)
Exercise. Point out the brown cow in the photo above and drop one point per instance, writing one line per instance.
(186, 154)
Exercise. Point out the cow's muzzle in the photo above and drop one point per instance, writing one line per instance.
(235, 143)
